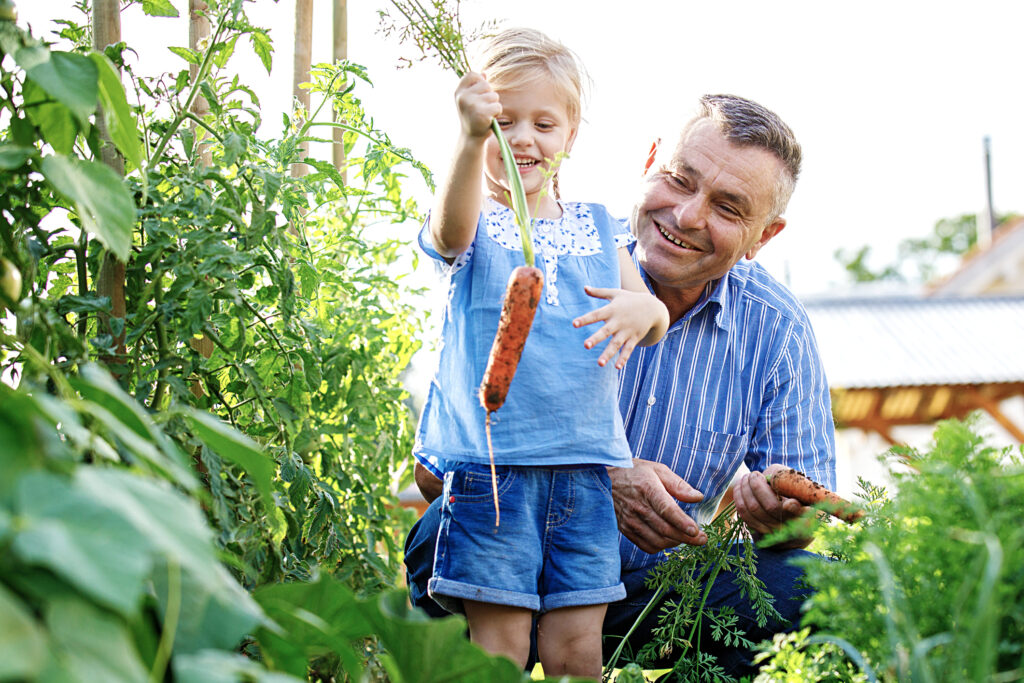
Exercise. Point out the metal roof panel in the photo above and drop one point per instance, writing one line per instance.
(910, 341)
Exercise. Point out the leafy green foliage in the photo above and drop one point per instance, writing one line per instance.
(248, 426)
(918, 259)
(690, 573)
(790, 659)
(929, 586)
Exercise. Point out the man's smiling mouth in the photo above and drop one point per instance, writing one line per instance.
(675, 240)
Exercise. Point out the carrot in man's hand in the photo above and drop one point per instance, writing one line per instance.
(793, 484)
(522, 295)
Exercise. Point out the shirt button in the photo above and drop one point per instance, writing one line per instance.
(651, 400)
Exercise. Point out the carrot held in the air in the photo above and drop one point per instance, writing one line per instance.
(522, 294)
(793, 484)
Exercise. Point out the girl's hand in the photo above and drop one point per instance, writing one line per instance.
(478, 104)
(629, 318)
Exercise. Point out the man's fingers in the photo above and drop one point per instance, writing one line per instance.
(760, 507)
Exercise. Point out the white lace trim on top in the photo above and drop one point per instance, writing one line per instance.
(572, 234)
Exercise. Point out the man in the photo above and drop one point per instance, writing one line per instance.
(736, 379)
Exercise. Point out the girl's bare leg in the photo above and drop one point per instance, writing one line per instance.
(569, 641)
(501, 629)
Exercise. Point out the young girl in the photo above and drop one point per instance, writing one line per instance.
(555, 553)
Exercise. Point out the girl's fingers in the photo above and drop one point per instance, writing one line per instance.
(624, 353)
(596, 338)
(600, 292)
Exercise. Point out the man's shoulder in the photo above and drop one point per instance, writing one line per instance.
(755, 289)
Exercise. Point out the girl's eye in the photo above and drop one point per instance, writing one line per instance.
(544, 126)
(504, 123)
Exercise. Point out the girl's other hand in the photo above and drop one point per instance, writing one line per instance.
(478, 104)
(628, 318)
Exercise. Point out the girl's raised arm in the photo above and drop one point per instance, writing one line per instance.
(457, 206)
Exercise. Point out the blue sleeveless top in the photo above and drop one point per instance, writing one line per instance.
(562, 407)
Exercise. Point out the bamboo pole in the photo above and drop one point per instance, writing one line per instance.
(198, 33)
(302, 61)
(340, 54)
(106, 30)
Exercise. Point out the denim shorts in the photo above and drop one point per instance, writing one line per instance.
(557, 544)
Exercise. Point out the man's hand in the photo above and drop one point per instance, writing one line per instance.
(430, 486)
(646, 499)
(763, 510)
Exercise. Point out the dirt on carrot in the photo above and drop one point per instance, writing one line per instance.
(522, 295)
(794, 484)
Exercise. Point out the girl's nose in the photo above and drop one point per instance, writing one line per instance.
(517, 134)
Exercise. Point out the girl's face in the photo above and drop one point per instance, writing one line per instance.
(535, 121)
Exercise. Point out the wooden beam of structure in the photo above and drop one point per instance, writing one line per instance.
(879, 409)
(992, 408)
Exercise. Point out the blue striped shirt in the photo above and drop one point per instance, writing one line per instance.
(737, 380)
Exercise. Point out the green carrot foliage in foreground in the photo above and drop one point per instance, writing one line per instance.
(930, 586)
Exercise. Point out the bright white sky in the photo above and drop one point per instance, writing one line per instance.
(890, 100)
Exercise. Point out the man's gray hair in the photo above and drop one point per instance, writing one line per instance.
(747, 123)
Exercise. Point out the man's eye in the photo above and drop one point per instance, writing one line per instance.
(677, 181)
(729, 210)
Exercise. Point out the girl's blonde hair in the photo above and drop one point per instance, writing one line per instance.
(514, 57)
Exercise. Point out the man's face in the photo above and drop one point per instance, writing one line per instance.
(702, 210)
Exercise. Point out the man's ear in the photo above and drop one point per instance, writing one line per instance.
(772, 229)
(651, 156)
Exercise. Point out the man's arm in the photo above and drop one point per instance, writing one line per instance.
(646, 499)
(429, 485)
(794, 430)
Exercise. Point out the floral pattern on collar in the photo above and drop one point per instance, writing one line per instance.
(572, 234)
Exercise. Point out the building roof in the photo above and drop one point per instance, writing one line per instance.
(996, 268)
(892, 341)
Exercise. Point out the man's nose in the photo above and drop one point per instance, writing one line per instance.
(691, 212)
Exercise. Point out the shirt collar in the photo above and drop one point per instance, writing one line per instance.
(715, 292)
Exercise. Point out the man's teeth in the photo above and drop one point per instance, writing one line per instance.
(674, 240)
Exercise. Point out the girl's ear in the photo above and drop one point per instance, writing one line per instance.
(651, 156)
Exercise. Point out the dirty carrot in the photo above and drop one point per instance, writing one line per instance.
(522, 294)
(793, 484)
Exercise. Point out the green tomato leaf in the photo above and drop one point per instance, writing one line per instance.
(69, 78)
(91, 546)
(263, 47)
(13, 156)
(426, 650)
(89, 644)
(54, 120)
(214, 613)
(121, 125)
(22, 641)
(159, 8)
(190, 56)
(239, 449)
(212, 666)
(310, 618)
(103, 203)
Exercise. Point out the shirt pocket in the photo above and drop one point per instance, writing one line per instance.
(707, 459)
